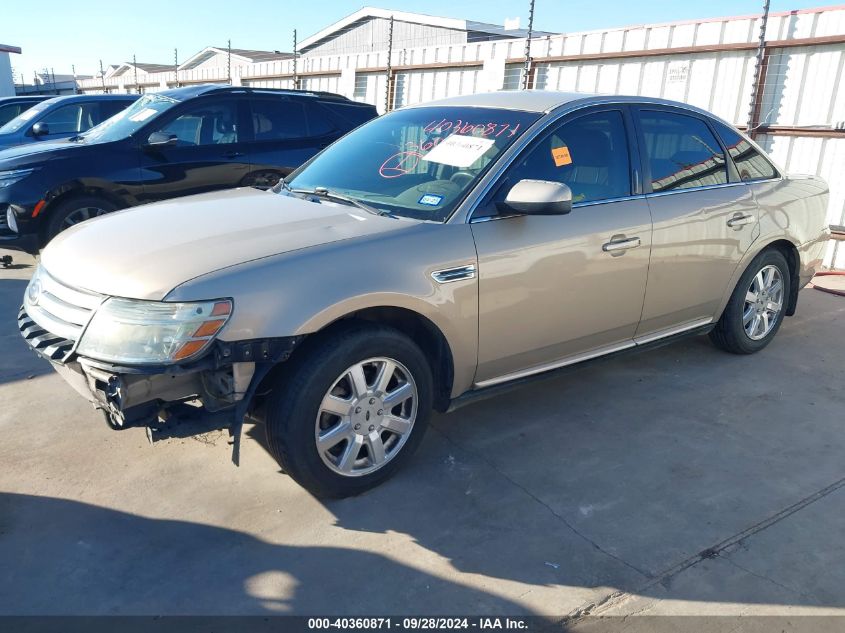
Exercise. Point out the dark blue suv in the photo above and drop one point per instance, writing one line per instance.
(167, 144)
(61, 117)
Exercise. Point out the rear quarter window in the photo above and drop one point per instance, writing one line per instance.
(352, 115)
(750, 163)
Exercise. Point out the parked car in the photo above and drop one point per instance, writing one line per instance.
(10, 107)
(434, 255)
(61, 117)
(167, 144)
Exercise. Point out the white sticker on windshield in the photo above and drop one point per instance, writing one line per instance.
(142, 115)
(459, 151)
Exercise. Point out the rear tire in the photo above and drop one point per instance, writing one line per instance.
(74, 211)
(349, 409)
(757, 306)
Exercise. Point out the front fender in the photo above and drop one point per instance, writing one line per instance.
(301, 292)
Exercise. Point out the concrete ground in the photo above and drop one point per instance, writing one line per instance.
(679, 481)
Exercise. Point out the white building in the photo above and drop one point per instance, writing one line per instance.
(7, 81)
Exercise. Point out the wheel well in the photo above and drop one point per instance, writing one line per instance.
(76, 192)
(789, 251)
(415, 326)
(430, 340)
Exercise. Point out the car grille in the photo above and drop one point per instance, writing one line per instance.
(4, 226)
(54, 315)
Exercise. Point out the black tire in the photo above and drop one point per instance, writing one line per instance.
(67, 208)
(729, 333)
(294, 403)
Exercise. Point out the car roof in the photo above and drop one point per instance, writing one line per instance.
(190, 92)
(25, 98)
(543, 101)
(86, 98)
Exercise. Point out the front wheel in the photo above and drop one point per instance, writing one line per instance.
(350, 410)
(757, 306)
(76, 210)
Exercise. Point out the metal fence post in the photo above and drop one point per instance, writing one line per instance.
(526, 71)
(389, 84)
(295, 59)
(760, 66)
(229, 61)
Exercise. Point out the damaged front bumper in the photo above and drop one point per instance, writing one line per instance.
(213, 392)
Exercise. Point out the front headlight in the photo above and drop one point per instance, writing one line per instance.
(152, 332)
(12, 176)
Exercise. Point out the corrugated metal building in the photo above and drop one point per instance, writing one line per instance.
(797, 115)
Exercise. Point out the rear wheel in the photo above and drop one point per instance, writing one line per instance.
(76, 210)
(757, 306)
(350, 410)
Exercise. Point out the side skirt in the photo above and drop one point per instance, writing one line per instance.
(483, 393)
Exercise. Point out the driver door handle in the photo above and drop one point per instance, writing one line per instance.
(740, 219)
(232, 154)
(621, 244)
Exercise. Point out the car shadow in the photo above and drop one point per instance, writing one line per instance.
(67, 557)
(617, 474)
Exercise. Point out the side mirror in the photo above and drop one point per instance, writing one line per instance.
(40, 129)
(539, 197)
(160, 139)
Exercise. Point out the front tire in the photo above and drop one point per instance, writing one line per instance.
(76, 210)
(757, 306)
(350, 409)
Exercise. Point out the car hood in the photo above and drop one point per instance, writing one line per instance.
(146, 251)
(11, 149)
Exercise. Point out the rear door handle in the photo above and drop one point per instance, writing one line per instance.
(232, 154)
(741, 219)
(621, 245)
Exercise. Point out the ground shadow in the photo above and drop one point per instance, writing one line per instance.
(67, 557)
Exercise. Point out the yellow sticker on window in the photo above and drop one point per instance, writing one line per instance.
(561, 156)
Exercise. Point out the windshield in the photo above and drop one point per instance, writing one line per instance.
(25, 117)
(129, 120)
(418, 163)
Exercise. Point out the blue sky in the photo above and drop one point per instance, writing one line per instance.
(57, 34)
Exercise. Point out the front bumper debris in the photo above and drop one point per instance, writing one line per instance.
(211, 393)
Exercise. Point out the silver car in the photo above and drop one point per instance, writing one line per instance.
(431, 256)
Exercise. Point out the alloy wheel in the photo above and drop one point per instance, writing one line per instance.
(80, 215)
(366, 417)
(763, 303)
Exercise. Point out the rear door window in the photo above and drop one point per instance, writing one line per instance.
(681, 151)
(109, 108)
(280, 119)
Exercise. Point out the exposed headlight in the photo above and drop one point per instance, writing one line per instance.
(12, 176)
(152, 332)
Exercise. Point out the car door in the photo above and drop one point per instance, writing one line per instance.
(287, 131)
(560, 288)
(705, 219)
(209, 152)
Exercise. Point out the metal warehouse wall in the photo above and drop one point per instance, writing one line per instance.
(707, 63)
